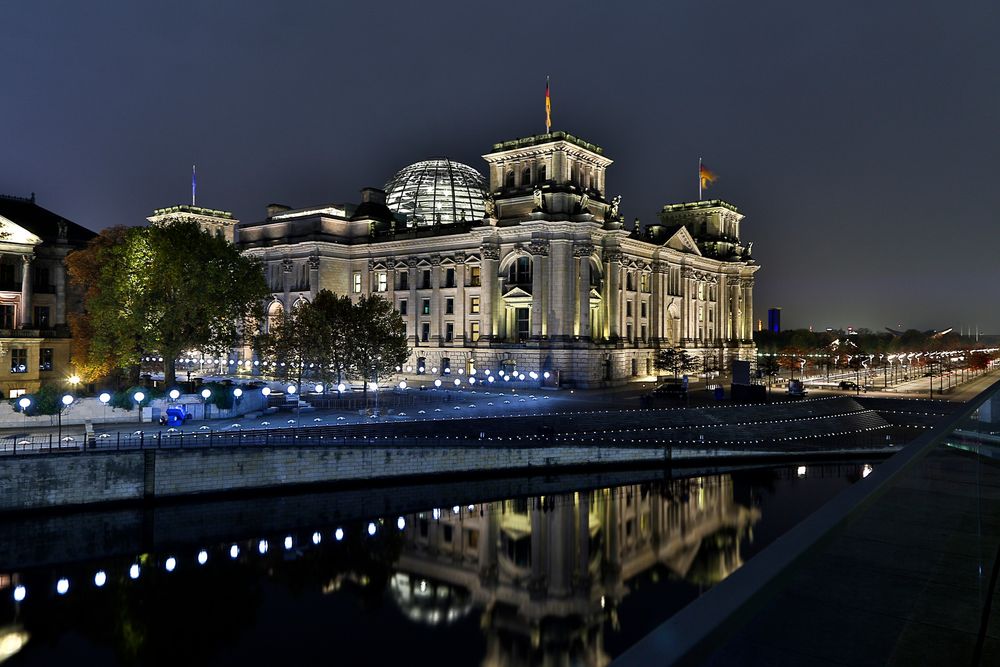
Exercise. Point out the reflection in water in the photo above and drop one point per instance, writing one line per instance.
(547, 571)
(546, 579)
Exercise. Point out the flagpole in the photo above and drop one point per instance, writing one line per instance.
(699, 179)
(194, 185)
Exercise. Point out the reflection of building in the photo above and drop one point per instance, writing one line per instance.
(34, 298)
(546, 572)
(530, 269)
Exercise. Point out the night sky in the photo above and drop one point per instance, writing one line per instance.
(859, 138)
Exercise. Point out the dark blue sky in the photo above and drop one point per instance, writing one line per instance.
(859, 138)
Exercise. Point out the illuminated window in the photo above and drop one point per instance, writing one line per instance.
(425, 307)
(701, 291)
(357, 282)
(474, 276)
(474, 331)
(383, 281)
(19, 360)
(474, 305)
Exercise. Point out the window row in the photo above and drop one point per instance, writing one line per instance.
(449, 306)
(449, 332)
(19, 359)
(41, 317)
(424, 279)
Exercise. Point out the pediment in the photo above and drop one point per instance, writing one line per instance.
(517, 293)
(15, 234)
(472, 259)
(424, 264)
(682, 241)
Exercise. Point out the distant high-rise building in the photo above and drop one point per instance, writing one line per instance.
(774, 320)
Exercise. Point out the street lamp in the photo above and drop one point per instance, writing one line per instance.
(206, 393)
(174, 394)
(139, 397)
(25, 403)
(67, 400)
(105, 398)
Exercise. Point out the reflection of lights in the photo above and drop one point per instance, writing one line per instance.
(20, 592)
(12, 640)
(801, 471)
(436, 514)
(866, 470)
(133, 572)
(317, 538)
(262, 546)
(339, 534)
(602, 602)
(401, 523)
(455, 509)
(234, 552)
(437, 383)
(100, 578)
(371, 527)
(62, 586)
(171, 564)
(457, 382)
(202, 557)
(288, 542)
(341, 387)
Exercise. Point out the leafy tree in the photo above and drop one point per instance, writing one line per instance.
(85, 269)
(674, 359)
(378, 339)
(169, 288)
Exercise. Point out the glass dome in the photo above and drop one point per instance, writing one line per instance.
(437, 191)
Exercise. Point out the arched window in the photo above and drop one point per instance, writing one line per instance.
(519, 272)
(541, 173)
(274, 315)
(509, 181)
(526, 176)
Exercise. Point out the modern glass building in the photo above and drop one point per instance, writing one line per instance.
(437, 192)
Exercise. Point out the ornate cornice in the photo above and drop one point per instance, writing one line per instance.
(490, 252)
(583, 250)
(538, 247)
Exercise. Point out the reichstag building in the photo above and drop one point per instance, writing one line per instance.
(529, 268)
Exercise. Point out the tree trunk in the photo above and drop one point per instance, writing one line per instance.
(169, 371)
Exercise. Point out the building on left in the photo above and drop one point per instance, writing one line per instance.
(34, 294)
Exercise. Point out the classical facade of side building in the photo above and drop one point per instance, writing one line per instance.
(530, 271)
(35, 298)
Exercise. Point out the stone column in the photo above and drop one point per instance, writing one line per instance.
(313, 276)
(490, 262)
(26, 288)
(560, 308)
(655, 316)
(437, 304)
(686, 315)
(461, 326)
(412, 307)
(748, 309)
(583, 252)
(612, 269)
(286, 284)
(539, 253)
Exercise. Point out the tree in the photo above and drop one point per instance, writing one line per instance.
(169, 288)
(84, 267)
(675, 360)
(378, 339)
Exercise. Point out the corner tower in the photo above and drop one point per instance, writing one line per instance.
(555, 173)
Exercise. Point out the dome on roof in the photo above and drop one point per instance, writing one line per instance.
(439, 191)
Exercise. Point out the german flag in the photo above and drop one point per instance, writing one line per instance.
(548, 108)
(705, 175)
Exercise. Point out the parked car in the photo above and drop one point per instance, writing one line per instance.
(847, 385)
(671, 388)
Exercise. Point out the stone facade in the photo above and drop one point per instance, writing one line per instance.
(35, 298)
(549, 280)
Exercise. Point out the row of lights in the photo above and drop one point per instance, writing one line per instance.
(170, 564)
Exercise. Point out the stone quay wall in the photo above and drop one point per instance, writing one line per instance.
(77, 479)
